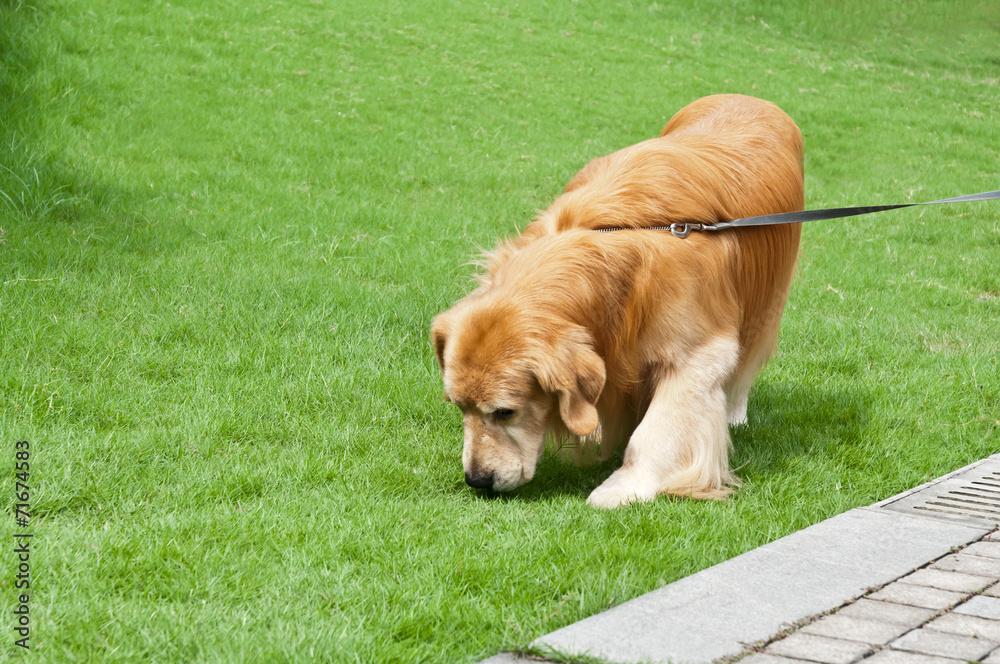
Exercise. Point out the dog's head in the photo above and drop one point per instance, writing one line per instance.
(510, 374)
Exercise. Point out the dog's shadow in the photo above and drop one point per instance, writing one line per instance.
(556, 477)
(786, 421)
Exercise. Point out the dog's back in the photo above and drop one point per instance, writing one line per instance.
(719, 158)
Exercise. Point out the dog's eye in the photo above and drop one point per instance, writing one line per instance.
(501, 414)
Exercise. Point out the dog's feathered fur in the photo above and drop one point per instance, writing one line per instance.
(634, 336)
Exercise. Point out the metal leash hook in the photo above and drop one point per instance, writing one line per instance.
(683, 230)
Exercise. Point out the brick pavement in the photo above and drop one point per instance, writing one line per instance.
(947, 612)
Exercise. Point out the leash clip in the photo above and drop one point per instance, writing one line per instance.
(683, 230)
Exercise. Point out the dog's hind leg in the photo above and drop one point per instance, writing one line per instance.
(764, 297)
(737, 396)
(761, 341)
(682, 445)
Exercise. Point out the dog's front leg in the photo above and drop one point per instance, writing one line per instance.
(681, 446)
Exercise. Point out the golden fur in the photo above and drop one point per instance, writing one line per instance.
(633, 336)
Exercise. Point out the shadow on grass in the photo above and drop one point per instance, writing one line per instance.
(553, 478)
(788, 422)
(35, 183)
(556, 477)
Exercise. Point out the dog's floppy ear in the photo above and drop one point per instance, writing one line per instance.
(440, 329)
(576, 373)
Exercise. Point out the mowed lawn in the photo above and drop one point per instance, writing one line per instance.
(228, 225)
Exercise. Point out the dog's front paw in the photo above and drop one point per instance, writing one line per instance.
(620, 489)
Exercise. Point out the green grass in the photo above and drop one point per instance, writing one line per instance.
(228, 225)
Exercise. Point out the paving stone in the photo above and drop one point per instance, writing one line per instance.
(956, 623)
(815, 648)
(923, 596)
(994, 657)
(943, 644)
(939, 578)
(985, 549)
(900, 614)
(506, 658)
(993, 591)
(874, 632)
(984, 607)
(959, 562)
(764, 658)
(888, 656)
(904, 657)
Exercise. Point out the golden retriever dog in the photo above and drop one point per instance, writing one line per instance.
(635, 337)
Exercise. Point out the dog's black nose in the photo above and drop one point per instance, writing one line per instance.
(479, 481)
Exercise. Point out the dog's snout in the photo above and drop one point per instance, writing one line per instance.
(479, 481)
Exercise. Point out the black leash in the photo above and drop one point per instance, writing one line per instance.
(683, 229)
